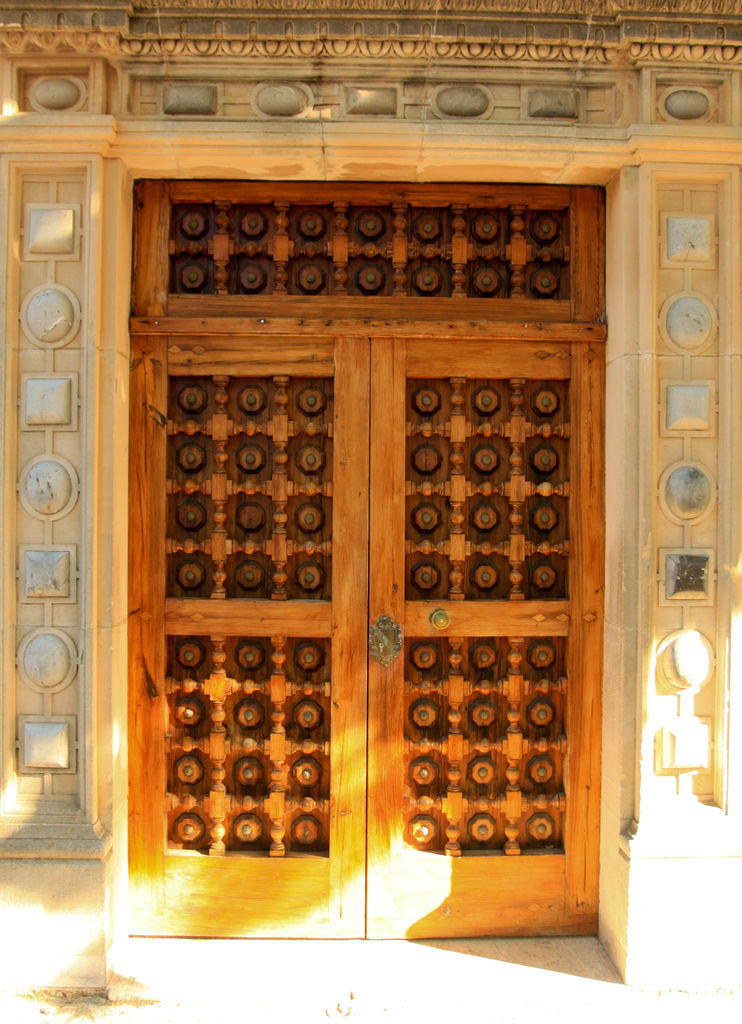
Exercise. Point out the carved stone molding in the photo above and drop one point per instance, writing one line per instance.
(592, 32)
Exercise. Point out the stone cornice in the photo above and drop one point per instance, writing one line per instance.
(459, 8)
(464, 32)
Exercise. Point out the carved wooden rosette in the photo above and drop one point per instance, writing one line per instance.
(250, 487)
(279, 490)
(457, 490)
(216, 688)
(487, 520)
(513, 688)
(277, 799)
(485, 744)
(516, 489)
(347, 246)
(248, 745)
(487, 489)
(219, 433)
(453, 806)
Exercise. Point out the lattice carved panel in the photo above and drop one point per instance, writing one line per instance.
(248, 743)
(250, 487)
(485, 744)
(396, 249)
(487, 489)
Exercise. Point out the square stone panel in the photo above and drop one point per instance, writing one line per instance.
(192, 99)
(47, 401)
(688, 241)
(51, 230)
(46, 744)
(554, 103)
(687, 407)
(371, 100)
(686, 576)
(47, 574)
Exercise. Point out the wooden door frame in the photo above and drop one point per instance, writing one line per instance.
(273, 321)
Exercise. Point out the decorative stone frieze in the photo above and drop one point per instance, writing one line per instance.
(47, 280)
(690, 547)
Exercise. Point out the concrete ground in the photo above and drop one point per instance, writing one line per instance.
(465, 981)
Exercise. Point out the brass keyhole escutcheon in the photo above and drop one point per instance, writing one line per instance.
(440, 619)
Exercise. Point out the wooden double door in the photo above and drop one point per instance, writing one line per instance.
(365, 626)
(366, 635)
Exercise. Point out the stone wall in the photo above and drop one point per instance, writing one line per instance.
(643, 102)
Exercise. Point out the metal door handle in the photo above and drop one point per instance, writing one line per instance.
(385, 640)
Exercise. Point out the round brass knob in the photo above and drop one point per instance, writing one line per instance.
(440, 619)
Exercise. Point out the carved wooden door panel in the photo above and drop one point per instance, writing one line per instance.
(248, 570)
(486, 515)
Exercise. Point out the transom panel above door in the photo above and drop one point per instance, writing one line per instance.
(365, 562)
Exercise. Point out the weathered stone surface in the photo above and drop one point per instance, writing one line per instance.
(688, 492)
(282, 100)
(193, 100)
(553, 103)
(688, 407)
(368, 100)
(688, 239)
(46, 660)
(46, 744)
(46, 574)
(688, 322)
(686, 104)
(55, 93)
(686, 577)
(462, 101)
(51, 231)
(47, 487)
(51, 315)
(48, 401)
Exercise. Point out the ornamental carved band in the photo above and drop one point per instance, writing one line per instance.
(347, 247)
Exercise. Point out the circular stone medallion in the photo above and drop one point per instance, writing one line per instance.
(462, 101)
(57, 94)
(282, 100)
(47, 660)
(686, 492)
(685, 661)
(687, 322)
(686, 104)
(48, 487)
(50, 315)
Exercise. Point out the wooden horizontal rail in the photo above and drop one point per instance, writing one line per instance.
(533, 329)
(489, 618)
(239, 617)
(545, 197)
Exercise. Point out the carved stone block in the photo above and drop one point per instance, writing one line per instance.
(686, 492)
(49, 230)
(371, 100)
(47, 574)
(688, 407)
(50, 315)
(687, 322)
(687, 576)
(283, 100)
(51, 93)
(46, 744)
(689, 240)
(48, 487)
(47, 660)
(553, 103)
(190, 99)
(686, 104)
(462, 101)
(47, 402)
